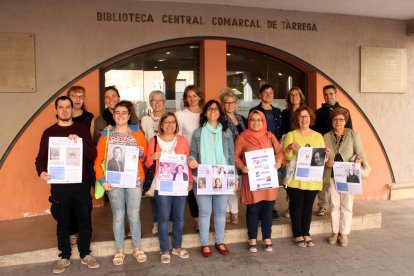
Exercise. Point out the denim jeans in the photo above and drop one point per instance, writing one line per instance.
(207, 203)
(166, 206)
(154, 208)
(131, 198)
(264, 208)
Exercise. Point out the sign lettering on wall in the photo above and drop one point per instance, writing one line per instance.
(180, 19)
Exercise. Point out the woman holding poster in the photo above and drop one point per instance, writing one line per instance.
(212, 144)
(169, 142)
(123, 135)
(258, 202)
(302, 193)
(346, 147)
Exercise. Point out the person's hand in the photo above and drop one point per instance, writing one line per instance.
(327, 151)
(141, 150)
(73, 137)
(293, 146)
(192, 163)
(108, 127)
(245, 169)
(190, 186)
(107, 186)
(329, 163)
(278, 164)
(236, 184)
(45, 176)
(358, 159)
(155, 155)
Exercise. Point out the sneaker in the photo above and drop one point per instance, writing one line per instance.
(286, 214)
(275, 215)
(90, 261)
(61, 265)
(155, 228)
(321, 212)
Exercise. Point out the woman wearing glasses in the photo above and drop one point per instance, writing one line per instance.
(302, 193)
(212, 144)
(237, 124)
(169, 142)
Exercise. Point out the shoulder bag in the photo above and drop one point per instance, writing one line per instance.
(148, 187)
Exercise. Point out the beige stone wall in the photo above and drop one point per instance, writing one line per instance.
(69, 40)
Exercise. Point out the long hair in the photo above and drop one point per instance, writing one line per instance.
(222, 118)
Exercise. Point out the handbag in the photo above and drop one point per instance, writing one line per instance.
(148, 183)
(290, 170)
(99, 189)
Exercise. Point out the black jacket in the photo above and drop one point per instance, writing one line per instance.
(323, 122)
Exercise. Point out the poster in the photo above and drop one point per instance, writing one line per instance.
(65, 158)
(310, 164)
(215, 179)
(122, 166)
(262, 172)
(173, 175)
(347, 177)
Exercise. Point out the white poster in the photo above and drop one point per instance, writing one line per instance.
(122, 166)
(347, 176)
(65, 158)
(262, 171)
(310, 164)
(173, 175)
(215, 179)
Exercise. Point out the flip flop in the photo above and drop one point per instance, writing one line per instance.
(183, 254)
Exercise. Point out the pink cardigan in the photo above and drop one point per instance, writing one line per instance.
(180, 148)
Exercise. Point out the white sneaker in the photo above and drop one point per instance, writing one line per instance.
(155, 228)
(61, 265)
(90, 261)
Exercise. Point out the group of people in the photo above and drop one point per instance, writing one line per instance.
(210, 133)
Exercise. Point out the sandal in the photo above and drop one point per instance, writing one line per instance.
(118, 258)
(253, 248)
(309, 242)
(268, 247)
(300, 243)
(183, 254)
(165, 258)
(235, 218)
(140, 256)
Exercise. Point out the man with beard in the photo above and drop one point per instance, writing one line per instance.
(65, 197)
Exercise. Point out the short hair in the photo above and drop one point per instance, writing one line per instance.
(265, 87)
(156, 92)
(222, 118)
(129, 106)
(339, 111)
(302, 97)
(163, 118)
(296, 115)
(77, 89)
(113, 150)
(112, 87)
(63, 98)
(226, 93)
(329, 86)
(179, 165)
(196, 90)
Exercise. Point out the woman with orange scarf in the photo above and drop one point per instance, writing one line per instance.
(262, 201)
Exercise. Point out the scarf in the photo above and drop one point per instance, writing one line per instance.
(255, 137)
(233, 127)
(211, 151)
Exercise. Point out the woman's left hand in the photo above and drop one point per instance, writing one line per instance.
(190, 186)
(236, 185)
(278, 164)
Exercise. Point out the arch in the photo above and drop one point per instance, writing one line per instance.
(24, 194)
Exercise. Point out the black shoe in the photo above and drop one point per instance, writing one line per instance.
(275, 215)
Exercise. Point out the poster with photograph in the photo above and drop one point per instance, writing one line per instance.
(262, 171)
(122, 166)
(65, 160)
(173, 175)
(347, 177)
(215, 179)
(310, 164)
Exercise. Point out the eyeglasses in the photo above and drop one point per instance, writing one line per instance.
(338, 120)
(211, 109)
(170, 123)
(255, 120)
(294, 95)
(77, 97)
(157, 101)
(230, 103)
(304, 117)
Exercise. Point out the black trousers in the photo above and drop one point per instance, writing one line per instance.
(300, 208)
(264, 208)
(64, 199)
(192, 203)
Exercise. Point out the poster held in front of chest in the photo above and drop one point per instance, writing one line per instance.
(122, 166)
(347, 176)
(64, 163)
(215, 179)
(173, 175)
(310, 164)
(262, 171)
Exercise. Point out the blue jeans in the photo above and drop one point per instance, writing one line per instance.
(131, 198)
(264, 208)
(166, 206)
(207, 203)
